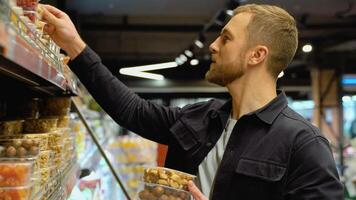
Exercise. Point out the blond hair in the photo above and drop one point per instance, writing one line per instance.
(276, 29)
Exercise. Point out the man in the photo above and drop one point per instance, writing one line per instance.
(251, 147)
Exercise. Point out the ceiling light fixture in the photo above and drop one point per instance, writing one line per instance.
(307, 48)
(183, 58)
(139, 71)
(229, 12)
(280, 75)
(188, 53)
(140, 74)
(194, 62)
(199, 44)
(151, 67)
(179, 61)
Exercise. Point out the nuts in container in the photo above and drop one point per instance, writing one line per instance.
(44, 159)
(11, 127)
(19, 148)
(40, 125)
(167, 177)
(63, 121)
(55, 138)
(41, 137)
(28, 4)
(57, 106)
(159, 192)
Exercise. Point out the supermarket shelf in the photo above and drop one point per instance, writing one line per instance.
(67, 182)
(23, 59)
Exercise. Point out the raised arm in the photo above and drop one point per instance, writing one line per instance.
(125, 107)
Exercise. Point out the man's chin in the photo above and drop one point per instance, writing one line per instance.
(214, 79)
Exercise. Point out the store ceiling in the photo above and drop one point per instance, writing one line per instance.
(137, 32)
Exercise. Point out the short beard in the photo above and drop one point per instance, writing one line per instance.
(223, 78)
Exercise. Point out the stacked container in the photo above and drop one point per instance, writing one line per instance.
(17, 159)
(165, 184)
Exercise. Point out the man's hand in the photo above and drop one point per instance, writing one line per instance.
(62, 31)
(197, 195)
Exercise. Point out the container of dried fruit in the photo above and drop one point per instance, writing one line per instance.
(42, 137)
(55, 138)
(15, 172)
(58, 106)
(19, 148)
(152, 191)
(16, 193)
(63, 121)
(40, 125)
(28, 4)
(44, 159)
(167, 177)
(11, 127)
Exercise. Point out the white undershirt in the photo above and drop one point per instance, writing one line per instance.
(209, 166)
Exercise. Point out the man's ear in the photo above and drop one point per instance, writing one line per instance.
(258, 55)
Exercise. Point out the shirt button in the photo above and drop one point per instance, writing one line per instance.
(209, 144)
(213, 115)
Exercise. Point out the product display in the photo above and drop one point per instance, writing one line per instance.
(11, 127)
(59, 106)
(40, 125)
(15, 173)
(19, 148)
(41, 137)
(159, 192)
(167, 177)
(16, 193)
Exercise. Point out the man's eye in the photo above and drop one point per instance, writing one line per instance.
(225, 38)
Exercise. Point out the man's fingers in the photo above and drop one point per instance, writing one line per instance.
(197, 195)
(55, 11)
(49, 29)
(49, 17)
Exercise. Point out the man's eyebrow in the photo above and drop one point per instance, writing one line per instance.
(226, 31)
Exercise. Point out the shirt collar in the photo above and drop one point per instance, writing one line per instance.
(267, 113)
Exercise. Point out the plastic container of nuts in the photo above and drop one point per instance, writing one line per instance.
(16, 193)
(19, 148)
(167, 177)
(55, 138)
(40, 125)
(42, 137)
(11, 127)
(15, 173)
(44, 160)
(58, 106)
(152, 191)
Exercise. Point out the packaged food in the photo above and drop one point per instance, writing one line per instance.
(167, 177)
(16, 193)
(15, 173)
(19, 148)
(58, 106)
(28, 4)
(58, 155)
(32, 15)
(158, 192)
(63, 121)
(55, 138)
(15, 14)
(11, 127)
(44, 159)
(40, 125)
(42, 138)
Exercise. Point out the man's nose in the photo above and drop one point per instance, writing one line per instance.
(213, 47)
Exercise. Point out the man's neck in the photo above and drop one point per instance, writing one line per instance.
(251, 92)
